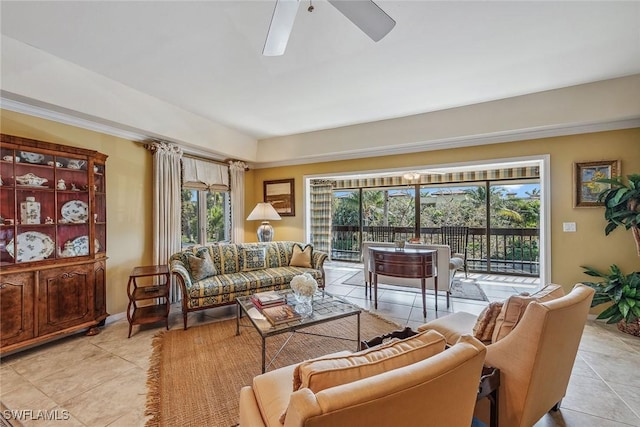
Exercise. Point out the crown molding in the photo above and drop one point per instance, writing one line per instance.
(69, 117)
(77, 119)
(464, 141)
(85, 121)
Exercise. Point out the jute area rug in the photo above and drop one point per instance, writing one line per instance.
(196, 375)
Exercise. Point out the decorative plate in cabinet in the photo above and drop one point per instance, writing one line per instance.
(32, 246)
(75, 211)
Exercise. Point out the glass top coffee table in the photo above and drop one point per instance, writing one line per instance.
(326, 307)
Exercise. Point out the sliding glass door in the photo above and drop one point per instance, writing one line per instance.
(503, 219)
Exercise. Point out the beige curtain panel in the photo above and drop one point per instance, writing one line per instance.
(166, 205)
(237, 200)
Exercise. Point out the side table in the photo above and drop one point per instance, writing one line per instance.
(489, 384)
(148, 313)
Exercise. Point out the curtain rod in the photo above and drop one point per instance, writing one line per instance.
(193, 156)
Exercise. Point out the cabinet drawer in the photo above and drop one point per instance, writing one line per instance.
(400, 270)
(400, 257)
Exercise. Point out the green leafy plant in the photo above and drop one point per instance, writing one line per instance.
(622, 290)
(622, 205)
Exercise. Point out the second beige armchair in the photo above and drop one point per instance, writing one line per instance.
(536, 355)
(434, 391)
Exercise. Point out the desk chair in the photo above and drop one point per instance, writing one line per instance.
(457, 238)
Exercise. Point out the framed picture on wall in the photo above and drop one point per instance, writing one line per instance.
(586, 175)
(280, 193)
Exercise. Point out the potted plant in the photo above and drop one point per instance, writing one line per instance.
(622, 208)
(622, 205)
(623, 291)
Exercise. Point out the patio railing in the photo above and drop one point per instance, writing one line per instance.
(503, 250)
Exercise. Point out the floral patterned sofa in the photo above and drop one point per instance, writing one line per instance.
(215, 275)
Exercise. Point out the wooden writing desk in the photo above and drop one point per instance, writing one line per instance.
(406, 263)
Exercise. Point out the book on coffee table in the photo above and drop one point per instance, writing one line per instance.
(267, 299)
(280, 314)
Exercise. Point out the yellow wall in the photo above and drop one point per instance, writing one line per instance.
(129, 181)
(129, 203)
(569, 251)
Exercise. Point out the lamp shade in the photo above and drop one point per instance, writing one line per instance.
(263, 212)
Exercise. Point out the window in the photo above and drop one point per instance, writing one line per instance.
(205, 216)
(206, 206)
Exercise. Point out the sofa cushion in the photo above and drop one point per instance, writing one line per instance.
(201, 265)
(483, 329)
(320, 374)
(301, 257)
(225, 288)
(254, 259)
(514, 307)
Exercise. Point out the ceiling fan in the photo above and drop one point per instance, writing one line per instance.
(365, 14)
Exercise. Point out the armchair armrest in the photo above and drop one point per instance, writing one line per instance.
(249, 409)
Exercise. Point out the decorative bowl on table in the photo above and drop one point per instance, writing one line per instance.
(31, 180)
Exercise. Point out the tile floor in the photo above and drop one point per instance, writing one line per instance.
(101, 380)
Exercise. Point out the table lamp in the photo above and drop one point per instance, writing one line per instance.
(264, 212)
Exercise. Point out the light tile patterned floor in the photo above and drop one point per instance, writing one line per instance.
(101, 380)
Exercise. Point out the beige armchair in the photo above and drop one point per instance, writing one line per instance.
(418, 394)
(535, 359)
(444, 273)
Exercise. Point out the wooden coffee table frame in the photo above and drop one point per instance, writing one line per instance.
(326, 308)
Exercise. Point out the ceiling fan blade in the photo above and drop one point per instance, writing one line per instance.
(367, 16)
(280, 27)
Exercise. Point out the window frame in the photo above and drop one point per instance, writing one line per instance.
(203, 219)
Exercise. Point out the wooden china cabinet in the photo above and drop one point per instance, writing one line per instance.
(53, 241)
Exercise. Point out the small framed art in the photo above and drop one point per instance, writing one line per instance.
(586, 175)
(281, 194)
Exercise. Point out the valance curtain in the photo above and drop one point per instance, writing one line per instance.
(457, 177)
(320, 221)
(166, 205)
(204, 175)
(237, 169)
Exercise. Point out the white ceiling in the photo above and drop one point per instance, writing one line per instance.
(205, 57)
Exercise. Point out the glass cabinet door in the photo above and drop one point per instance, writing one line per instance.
(100, 207)
(50, 206)
(7, 206)
(72, 207)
